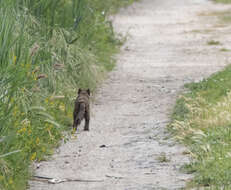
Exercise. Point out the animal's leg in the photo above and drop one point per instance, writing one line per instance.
(87, 120)
(75, 113)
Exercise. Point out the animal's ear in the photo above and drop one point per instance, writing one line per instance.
(88, 91)
(80, 90)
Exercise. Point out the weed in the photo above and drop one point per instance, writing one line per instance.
(188, 168)
(163, 158)
(213, 42)
(204, 31)
(224, 49)
(180, 110)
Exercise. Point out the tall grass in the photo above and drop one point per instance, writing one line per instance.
(202, 120)
(48, 49)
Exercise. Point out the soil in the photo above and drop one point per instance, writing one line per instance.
(128, 146)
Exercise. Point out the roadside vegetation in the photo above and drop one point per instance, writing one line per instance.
(48, 49)
(202, 121)
(223, 1)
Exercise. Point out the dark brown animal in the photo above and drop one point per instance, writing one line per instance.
(82, 109)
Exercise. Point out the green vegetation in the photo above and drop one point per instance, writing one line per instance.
(163, 158)
(224, 49)
(48, 49)
(224, 16)
(223, 1)
(212, 42)
(202, 121)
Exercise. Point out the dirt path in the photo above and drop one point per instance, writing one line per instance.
(165, 49)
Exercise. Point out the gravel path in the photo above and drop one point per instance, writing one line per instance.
(164, 50)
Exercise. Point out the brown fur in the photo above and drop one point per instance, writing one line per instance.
(82, 109)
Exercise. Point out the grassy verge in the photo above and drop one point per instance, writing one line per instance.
(223, 1)
(202, 121)
(48, 49)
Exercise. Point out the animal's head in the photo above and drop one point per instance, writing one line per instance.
(84, 92)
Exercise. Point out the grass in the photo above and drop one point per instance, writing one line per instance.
(213, 42)
(202, 121)
(225, 17)
(204, 31)
(224, 50)
(223, 1)
(48, 49)
(163, 158)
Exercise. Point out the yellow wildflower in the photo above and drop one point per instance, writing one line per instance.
(52, 103)
(33, 156)
(15, 111)
(22, 130)
(37, 141)
(48, 126)
(14, 59)
(47, 100)
(10, 181)
(29, 131)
